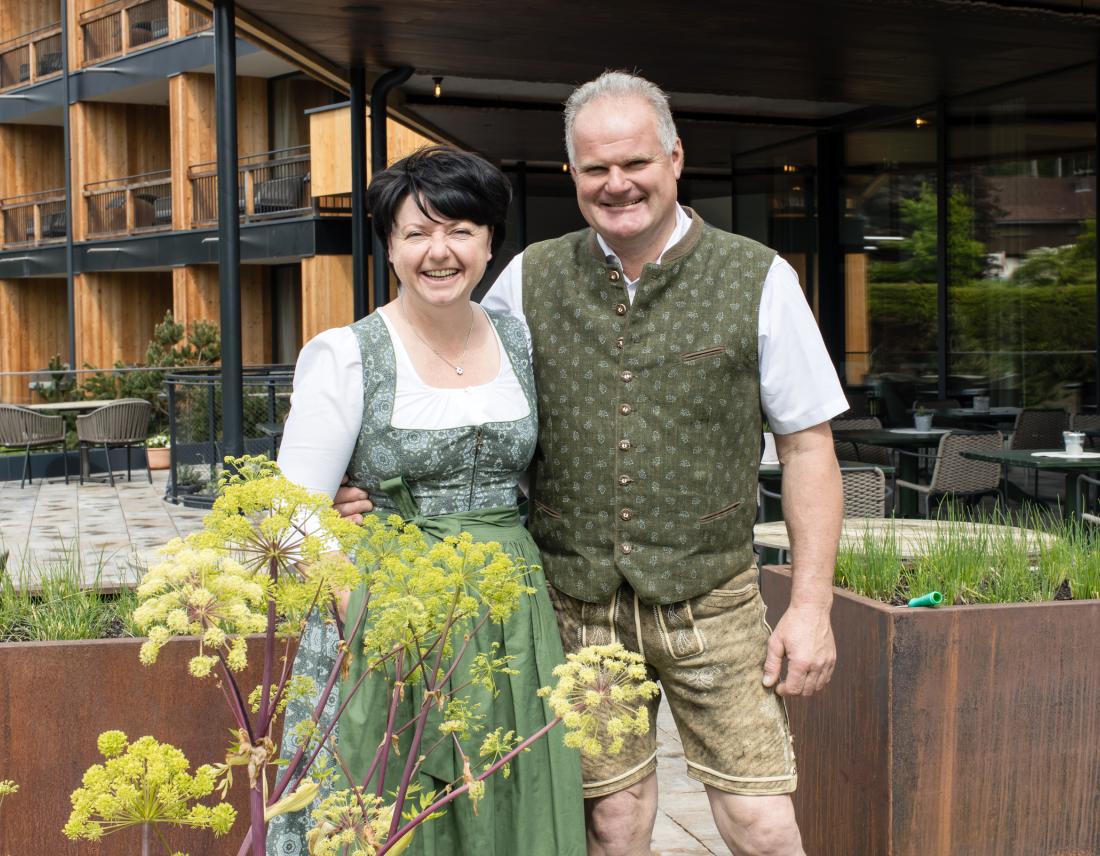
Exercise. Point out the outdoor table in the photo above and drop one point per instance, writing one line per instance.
(68, 406)
(908, 439)
(1087, 462)
(970, 417)
(911, 536)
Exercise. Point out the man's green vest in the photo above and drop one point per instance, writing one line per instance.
(649, 414)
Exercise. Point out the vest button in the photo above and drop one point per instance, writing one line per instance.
(624, 445)
(627, 377)
(626, 549)
(625, 480)
(625, 409)
(620, 309)
(619, 343)
(614, 275)
(626, 514)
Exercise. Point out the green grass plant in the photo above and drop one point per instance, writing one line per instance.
(990, 566)
(53, 600)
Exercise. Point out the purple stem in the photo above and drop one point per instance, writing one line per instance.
(242, 709)
(395, 836)
(269, 653)
(259, 825)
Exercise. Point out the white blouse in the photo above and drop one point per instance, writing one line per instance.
(326, 406)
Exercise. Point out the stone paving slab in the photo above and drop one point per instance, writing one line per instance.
(116, 531)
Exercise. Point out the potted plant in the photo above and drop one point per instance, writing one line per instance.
(948, 730)
(922, 418)
(158, 452)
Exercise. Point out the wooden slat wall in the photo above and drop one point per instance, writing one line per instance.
(116, 313)
(191, 107)
(330, 141)
(23, 16)
(112, 141)
(857, 321)
(33, 327)
(327, 300)
(195, 295)
(32, 158)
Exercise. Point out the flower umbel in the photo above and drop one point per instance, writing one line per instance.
(144, 782)
(600, 697)
(352, 823)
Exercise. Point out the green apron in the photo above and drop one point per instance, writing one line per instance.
(538, 810)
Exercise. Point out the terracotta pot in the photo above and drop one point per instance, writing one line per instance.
(55, 700)
(159, 459)
(949, 731)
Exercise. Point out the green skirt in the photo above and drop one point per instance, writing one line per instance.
(538, 810)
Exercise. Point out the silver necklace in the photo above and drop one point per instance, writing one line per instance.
(456, 366)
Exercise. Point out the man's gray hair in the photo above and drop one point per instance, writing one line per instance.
(622, 84)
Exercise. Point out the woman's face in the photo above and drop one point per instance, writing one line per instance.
(438, 262)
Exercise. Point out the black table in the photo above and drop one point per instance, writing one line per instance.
(1072, 467)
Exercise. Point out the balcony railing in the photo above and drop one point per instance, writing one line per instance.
(121, 26)
(31, 57)
(271, 185)
(34, 219)
(197, 21)
(130, 205)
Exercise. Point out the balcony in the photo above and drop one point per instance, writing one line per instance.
(197, 22)
(271, 185)
(129, 206)
(121, 26)
(31, 57)
(34, 219)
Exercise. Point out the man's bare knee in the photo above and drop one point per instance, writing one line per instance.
(756, 825)
(621, 824)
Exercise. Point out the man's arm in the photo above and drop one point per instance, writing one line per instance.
(813, 505)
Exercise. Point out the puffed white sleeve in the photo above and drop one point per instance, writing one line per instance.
(326, 411)
(799, 387)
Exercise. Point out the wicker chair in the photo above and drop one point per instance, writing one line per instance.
(1087, 508)
(1039, 429)
(955, 475)
(1086, 422)
(115, 425)
(864, 492)
(29, 429)
(863, 452)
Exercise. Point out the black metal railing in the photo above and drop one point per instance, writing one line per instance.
(34, 218)
(129, 205)
(195, 417)
(197, 21)
(270, 184)
(116, 28)
(31, 57)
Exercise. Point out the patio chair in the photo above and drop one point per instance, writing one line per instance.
(1088, 507)
(954, 475)
(1086, 422)
(29, 429)
(864, 492)
(862, 452)
(1038, 429)
(115, 425)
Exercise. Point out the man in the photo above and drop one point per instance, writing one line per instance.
(656, 341)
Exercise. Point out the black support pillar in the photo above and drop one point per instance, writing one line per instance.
(229, 226)
(943, 228)
(520, 199)
(359, 231)
(1096, 215)
(379, 93)
(830, 281)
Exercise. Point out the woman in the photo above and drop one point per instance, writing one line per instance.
(428, 403)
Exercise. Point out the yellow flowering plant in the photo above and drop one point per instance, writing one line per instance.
(145, 784)
(269, 554)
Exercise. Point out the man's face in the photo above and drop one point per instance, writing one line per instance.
(626, 182)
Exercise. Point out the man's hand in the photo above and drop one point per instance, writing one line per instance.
(352, 502)
(805, 637)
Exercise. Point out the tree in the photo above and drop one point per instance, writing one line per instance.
(965, 254)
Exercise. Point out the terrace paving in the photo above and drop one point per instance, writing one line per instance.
(116, 530)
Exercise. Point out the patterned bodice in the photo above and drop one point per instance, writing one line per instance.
(448, 469)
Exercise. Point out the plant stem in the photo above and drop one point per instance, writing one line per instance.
(382, 756)
(145, 839)
(269, 653)
(395, 836)
(259, 826)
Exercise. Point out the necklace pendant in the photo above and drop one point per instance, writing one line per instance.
(459, 370)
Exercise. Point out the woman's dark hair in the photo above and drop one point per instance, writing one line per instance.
(458, 185)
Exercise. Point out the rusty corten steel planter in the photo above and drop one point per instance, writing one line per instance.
(55, 700)
(956, 731)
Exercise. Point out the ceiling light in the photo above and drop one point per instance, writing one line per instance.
(790, 167)
(565, 167)
(920, 121)
(438, 86)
